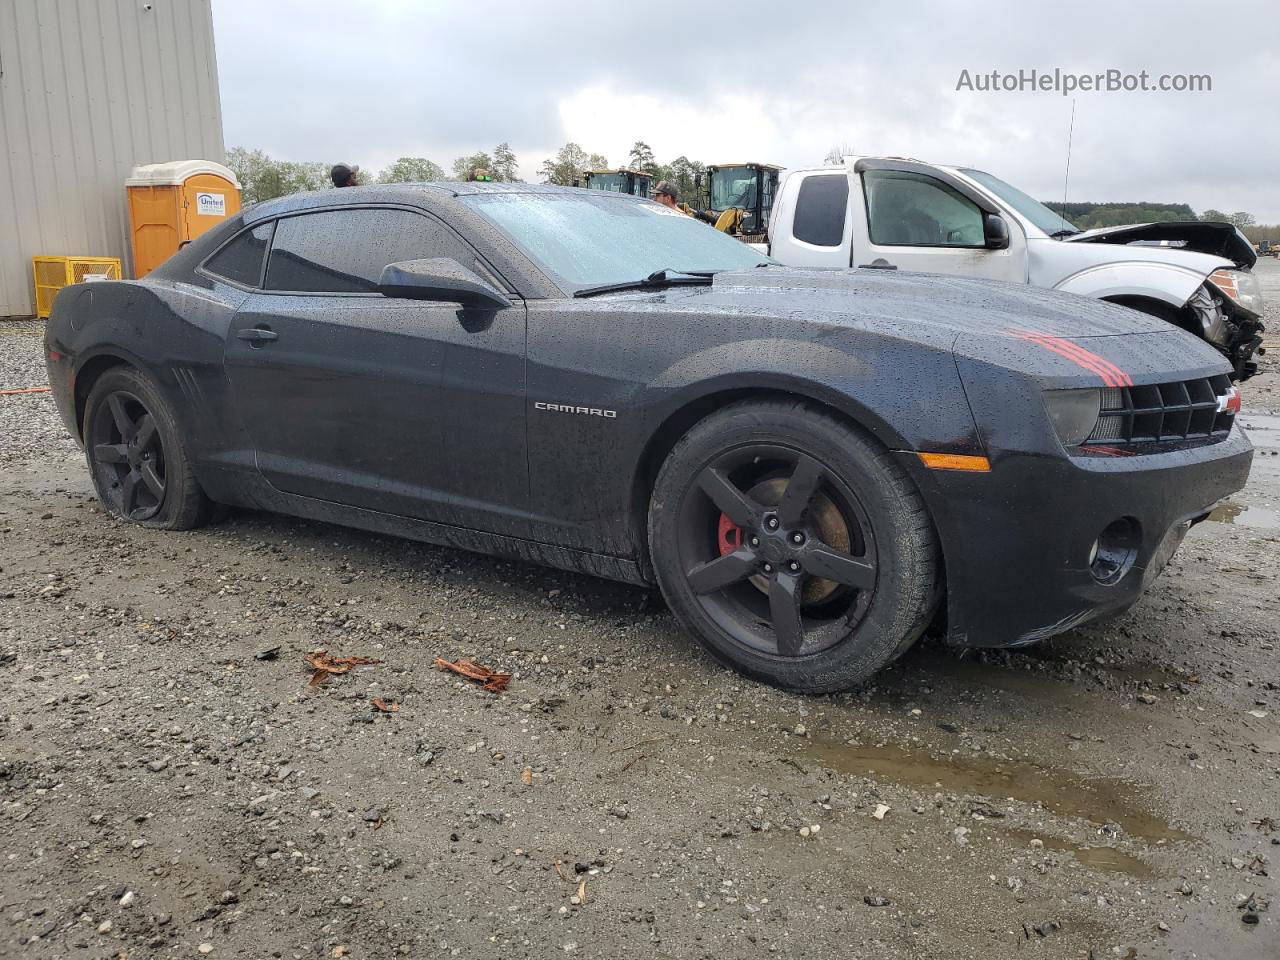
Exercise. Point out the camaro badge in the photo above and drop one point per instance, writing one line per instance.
(572, 408)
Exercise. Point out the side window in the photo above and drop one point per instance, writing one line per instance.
(241, 259)
(820, 209)
(344, 251)
(912, 209)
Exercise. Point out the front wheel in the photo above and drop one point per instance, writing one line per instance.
(792, 546)
(136, 455)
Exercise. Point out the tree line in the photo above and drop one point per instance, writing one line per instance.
(1090, 216)
(264, 178)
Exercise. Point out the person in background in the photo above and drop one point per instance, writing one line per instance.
(668, 196)
(345, 175)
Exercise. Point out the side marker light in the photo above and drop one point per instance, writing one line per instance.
(955, 461)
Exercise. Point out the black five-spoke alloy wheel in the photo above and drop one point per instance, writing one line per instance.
(793, 546)
(129, 455)
(136, 454)
(783, 559)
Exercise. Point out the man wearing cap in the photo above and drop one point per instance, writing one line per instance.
(345, 175)
(668, 196)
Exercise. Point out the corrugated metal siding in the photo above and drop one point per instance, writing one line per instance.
(89, 89)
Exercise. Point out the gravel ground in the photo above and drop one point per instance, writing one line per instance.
(170, 786)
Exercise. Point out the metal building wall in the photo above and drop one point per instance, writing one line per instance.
(88, 89)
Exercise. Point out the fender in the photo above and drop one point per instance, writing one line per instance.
(1164, 282)
(863, 386)
(180, 351)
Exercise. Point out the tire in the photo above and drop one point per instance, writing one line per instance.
(844, 572)
(136, 457)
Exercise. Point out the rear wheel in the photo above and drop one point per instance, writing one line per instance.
(136, 457)
(792, 546)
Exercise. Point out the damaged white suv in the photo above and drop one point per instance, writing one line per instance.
(891, 213)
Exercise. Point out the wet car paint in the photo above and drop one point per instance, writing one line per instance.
(429, 421)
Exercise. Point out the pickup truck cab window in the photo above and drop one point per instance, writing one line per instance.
(911, 209)
(820, 209)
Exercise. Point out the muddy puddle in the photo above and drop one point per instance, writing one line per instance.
(1063, 793)
(1105, 859)
(1264, 431)
(1255, 515)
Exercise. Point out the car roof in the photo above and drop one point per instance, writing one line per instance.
(430, 195)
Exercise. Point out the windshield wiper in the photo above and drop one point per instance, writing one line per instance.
(1065, 232)
(665, 277)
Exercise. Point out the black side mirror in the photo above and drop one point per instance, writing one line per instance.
(440, 279)
(995, 232)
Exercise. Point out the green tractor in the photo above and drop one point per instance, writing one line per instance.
(740, 198)
(634, 182)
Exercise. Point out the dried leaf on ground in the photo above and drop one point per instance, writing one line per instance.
(324, 665)
(490, 680)
(526, 776)
(560, 871)
(582, 891)
(384, 707)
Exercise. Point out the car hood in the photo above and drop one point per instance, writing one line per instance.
(916, 304)
(1052, 336)
(1194, 236)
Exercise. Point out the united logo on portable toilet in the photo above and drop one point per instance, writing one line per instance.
(211, 204)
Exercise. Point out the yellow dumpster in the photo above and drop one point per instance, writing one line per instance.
(170, 204)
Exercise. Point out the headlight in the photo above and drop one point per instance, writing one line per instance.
(1241, 286)
(1074, 413)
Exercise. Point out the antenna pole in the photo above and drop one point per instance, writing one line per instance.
(1067, 173)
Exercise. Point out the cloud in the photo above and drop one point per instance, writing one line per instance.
(755, 81)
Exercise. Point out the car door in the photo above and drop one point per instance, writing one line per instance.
(914, 221)
(361, 399)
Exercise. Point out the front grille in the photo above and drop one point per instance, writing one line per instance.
(1164, 412)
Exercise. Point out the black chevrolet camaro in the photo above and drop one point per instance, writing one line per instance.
(813, 466)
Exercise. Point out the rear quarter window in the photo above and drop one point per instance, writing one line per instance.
(820, 209)
(241, 259)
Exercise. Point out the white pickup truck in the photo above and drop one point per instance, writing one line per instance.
(891, 213)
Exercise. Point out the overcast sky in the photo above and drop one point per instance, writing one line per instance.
(733, 80)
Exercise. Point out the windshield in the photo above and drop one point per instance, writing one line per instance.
(619, 183)
(613, 182)
(733, 187)
(1029, 207)
(587, 239)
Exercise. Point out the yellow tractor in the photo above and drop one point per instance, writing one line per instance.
(740, 198)
(635, 182)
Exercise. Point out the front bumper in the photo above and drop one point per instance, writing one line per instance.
(1016, 541)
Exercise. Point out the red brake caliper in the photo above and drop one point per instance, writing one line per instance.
(729, 535)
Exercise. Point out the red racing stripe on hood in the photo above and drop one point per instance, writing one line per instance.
(1111, 375)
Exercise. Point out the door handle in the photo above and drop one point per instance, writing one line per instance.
(257, 334)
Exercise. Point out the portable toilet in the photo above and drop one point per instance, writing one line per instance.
(170, 204)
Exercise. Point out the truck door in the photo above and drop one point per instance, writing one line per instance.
(914, 217)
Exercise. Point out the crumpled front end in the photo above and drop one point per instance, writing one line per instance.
(1228, 309)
